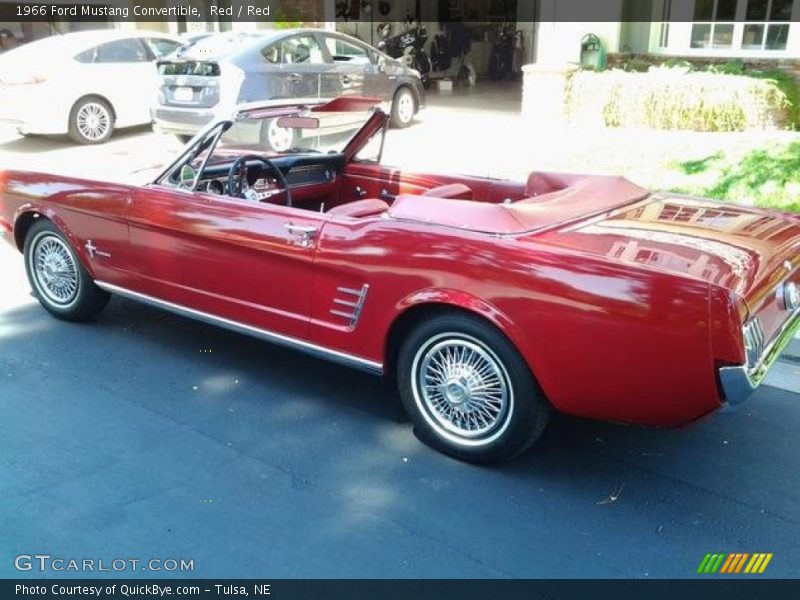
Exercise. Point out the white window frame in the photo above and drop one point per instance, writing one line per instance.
(680, 33)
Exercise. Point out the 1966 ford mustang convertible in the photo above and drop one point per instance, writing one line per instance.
(492, 302)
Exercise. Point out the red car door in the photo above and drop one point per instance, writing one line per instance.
(245, 261)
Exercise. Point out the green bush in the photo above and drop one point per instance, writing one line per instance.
(636, 65)
(731, 67)
(787, 84)
(677, 98)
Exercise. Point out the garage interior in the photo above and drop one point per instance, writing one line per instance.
(468, 42)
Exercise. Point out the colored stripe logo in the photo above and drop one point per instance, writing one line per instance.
(736, 562)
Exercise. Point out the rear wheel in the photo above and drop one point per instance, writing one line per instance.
(91, 121)
(404, 107)
(277, 138)
(468, 391)
(59, 281)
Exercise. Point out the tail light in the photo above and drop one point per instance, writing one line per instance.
(753, 341)
(22, 78)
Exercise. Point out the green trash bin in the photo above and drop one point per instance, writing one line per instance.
(593, 54)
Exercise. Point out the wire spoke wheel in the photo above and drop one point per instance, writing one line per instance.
(462, 387)
(55, 270)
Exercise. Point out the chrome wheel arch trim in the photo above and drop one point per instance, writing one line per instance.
(375, 368)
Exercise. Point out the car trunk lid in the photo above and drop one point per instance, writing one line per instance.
(748, 251)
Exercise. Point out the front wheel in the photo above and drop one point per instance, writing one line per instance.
(404, 107)
(59, 281)
(468, 391)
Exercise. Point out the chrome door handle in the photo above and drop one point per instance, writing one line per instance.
(294, 77)
(359, 192)
(385, 195)
(304, 234)
(346, 80)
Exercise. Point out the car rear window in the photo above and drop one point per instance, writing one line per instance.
(118, 51)
(189, 67)
(162, 47)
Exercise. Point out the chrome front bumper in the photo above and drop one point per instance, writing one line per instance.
(738, 383)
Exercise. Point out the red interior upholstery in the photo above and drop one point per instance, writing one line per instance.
(464, 214)
(453, 190)
(544, 183)
(360, 208)
(571, 197)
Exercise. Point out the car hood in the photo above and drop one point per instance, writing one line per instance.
(742, 249)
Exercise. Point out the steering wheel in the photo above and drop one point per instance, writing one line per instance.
(237, 176)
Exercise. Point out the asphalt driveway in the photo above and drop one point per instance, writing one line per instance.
(145, 435)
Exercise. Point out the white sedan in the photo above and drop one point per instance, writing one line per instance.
(84, 84)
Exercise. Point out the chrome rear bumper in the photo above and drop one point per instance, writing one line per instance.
(738, 383)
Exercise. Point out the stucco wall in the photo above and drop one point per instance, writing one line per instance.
(560, 42)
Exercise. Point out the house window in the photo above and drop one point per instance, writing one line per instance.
(762, 24)
(767, 24)
(713, 27)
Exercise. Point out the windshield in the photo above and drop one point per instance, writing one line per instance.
(328, 133)
(269, 132)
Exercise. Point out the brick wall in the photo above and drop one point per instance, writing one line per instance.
(788, 65)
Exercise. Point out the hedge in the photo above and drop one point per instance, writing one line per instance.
(676, 98)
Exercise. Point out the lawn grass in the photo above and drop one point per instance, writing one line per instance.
(768, 176)
(760, 168)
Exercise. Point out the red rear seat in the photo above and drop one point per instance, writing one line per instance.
(464, 214)
(453, 190)
(360, 208)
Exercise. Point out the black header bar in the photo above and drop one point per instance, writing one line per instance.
(359, 11)
(407, 589)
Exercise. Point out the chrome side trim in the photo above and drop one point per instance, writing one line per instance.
(277, 338)
(738, 383)
(355, 306)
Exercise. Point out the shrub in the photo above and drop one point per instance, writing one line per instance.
(676, 98)
(787, 84)
(636, 65)
(731, 67)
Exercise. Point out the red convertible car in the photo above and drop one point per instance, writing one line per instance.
(492, 302)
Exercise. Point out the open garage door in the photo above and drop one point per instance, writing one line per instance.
(461, 40)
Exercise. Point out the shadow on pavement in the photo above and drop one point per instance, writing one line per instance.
(35, 144)
(126, 423)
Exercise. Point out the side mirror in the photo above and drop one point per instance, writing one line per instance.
(187, 178)
(381, 62)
